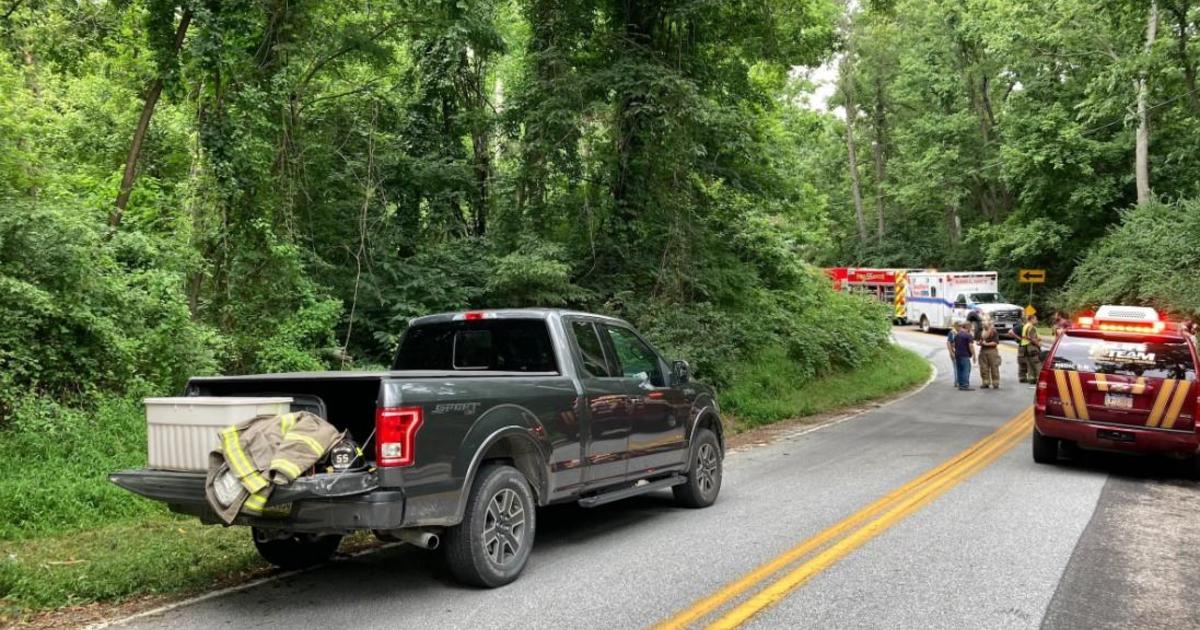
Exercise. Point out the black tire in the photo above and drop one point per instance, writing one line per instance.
(500, 501)
(1045, 449)
(924, 324)
(1191, 468)
(704, 473)
(298, 551)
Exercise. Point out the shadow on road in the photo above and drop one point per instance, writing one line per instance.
(1130, 466)
(405, 571)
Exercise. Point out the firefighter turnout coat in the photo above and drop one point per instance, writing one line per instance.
(259, 454)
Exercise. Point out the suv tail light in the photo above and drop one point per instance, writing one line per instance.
(1043, 391)
(396, 435)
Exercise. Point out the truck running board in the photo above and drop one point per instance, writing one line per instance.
(641, 487)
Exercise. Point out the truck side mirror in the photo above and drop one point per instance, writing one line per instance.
(683, 371)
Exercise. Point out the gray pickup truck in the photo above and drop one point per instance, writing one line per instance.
(484, 416)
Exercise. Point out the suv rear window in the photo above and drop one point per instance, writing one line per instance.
(1153, 359)
(507, 345)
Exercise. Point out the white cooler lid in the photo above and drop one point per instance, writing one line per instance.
(218, 400)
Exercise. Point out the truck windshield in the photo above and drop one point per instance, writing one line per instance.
(987, 298)
(1153, 359)
(507, 345)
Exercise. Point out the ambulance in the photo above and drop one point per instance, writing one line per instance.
(1122, 380)
(939, 300)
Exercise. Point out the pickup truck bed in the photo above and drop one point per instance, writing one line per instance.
(553, 406)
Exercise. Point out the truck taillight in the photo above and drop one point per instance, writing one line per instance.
(1043, 391)
(396, 434)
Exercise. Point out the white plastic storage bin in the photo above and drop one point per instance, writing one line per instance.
(180, 432)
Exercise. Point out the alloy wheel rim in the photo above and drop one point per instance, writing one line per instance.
(707, 471)
(504, 527)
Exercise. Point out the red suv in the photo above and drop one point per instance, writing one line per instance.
(1124, 380)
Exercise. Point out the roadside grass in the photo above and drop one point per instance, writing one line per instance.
(69, 537)
(773, 388)
(156, 554)
(59, 458)
(159, 554)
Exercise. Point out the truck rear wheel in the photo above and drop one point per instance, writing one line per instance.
(1045, 449)
(492, 544)
(704, 476)
(924, 324)
(295, 551)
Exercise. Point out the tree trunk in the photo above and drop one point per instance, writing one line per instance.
(1142, 146)
(851, 152)
(879, 149)
(153, 92)
(953, 223)
(483, 172)
(1182, 39)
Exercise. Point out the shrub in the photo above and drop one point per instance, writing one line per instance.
(1151, 258)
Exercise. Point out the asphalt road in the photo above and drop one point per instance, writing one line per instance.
(992, 541)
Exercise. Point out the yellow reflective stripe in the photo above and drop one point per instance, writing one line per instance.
(240, 462)
(229, 439)
(313, 444)
(1181, 392)
(255, 503)
(288, 468)
(1077, 392)
(286, 422)
(1064, 394)
(1101, 382)
(1140, 386)
(1160, 403)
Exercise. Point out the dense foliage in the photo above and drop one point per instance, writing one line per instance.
(1002, 135)
(1150, 258)
(192, 186)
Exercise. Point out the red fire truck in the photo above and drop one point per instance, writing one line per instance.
(887, 285)
(1122, 380)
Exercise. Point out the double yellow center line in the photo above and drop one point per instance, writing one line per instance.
(831, 545)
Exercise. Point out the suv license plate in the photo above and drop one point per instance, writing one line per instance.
(1118, 401)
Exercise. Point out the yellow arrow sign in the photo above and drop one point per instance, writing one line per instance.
(1031, 276)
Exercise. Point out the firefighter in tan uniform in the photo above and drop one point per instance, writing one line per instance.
(989, 355)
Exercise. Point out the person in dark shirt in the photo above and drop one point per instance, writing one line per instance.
(964, 356)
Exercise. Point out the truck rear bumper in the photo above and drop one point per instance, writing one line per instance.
(330, 503)
(1116, 437)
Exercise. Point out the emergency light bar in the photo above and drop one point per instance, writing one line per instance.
(1131, 319)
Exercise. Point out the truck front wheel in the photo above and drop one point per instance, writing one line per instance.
(704, 477)
(295, 551)
(491, 545)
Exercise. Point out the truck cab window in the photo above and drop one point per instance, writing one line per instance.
(636, 358)
(591, 351)
(507, 345)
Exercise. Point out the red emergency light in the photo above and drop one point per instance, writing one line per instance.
(1124, 319)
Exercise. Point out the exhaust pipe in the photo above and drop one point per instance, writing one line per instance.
(418, 538)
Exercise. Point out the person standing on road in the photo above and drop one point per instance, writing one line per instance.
(964, 356)
(989, 356)
(1030, 351)
(1061, 323)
